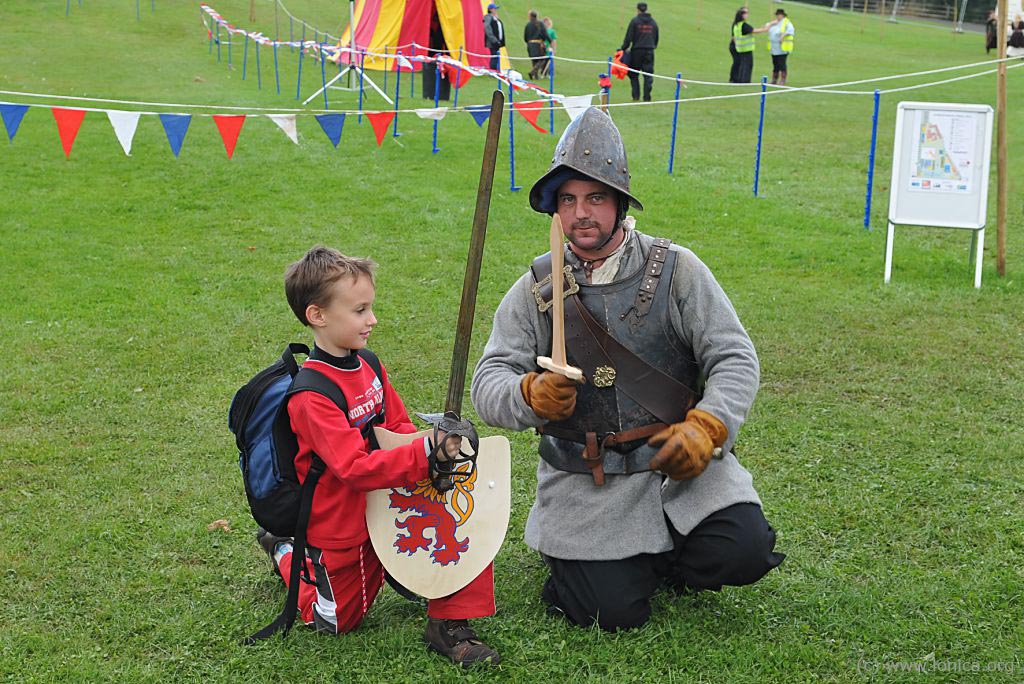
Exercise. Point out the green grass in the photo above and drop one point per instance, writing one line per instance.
(140, 292)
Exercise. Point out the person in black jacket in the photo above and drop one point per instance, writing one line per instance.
(494, 35)
(641, 40)
(536, 37)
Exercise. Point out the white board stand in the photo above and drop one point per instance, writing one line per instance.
(940, 170)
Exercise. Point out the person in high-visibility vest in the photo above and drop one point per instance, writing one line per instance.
(780, 44)
(741, 46)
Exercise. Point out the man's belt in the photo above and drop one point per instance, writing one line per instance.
(595, 444)
(535, 40)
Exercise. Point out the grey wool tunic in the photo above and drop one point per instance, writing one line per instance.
(574, 519)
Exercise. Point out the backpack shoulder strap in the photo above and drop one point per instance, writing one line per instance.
(371, 358)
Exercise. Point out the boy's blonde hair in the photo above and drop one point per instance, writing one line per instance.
(308, 280)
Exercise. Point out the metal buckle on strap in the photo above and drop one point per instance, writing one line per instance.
(573, 288)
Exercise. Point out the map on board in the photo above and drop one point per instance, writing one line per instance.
(943, 152)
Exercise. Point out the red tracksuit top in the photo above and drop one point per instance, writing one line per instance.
(338, 518)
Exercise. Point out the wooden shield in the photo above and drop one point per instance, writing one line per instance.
(436, 544)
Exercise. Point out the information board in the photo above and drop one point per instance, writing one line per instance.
(940, 165)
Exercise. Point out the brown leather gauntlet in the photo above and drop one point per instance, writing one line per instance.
(687, 447)
(550, 395)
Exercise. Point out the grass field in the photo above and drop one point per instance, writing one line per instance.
(140, 292)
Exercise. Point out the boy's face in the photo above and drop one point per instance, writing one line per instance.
(344, 324)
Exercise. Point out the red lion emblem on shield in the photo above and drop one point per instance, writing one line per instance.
(433, 513)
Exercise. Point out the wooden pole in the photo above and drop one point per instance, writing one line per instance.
(252, 10)
(1001, 163)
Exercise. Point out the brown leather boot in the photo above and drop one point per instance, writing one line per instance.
(457, 641)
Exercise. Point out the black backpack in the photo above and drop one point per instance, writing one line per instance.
(266, 455)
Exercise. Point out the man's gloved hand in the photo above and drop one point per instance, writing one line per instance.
(551, 396)
(687, 447)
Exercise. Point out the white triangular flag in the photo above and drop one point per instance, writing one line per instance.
(432, 114)
(576, 105)
(404, 63)
(286, 122)
(124, 124)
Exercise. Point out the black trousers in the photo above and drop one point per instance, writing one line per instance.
(779, 63)
(744, 66)
(643, 60)
(733, 546)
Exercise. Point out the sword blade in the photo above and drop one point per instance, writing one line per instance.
(471, 281)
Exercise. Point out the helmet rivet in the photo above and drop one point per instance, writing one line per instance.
(563, 153)
(586, 152)
(609, 161)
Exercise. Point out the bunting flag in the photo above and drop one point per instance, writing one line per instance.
(332, 125)
(229, 125)
(176, 126)
(286, 122)
(68, 123)
(530, 111)
(480, 113)
(12, 115)
(404, 63)
(458, 75)
(380, 122)
(432, 114)
(576, 105)
(124, 124)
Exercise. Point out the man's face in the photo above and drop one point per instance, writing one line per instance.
(588, 211)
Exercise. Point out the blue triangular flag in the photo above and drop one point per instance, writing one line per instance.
(332, 125)
(176, 126)
(480, 113)
(12, 115)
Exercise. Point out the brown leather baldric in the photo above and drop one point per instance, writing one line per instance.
(593, 347)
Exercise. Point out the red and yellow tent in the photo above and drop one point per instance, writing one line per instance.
(396, 24)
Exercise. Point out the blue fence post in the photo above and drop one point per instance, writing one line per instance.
(512, 141)
(138, 10)
(218, 41)
(210, 30)
(551, 89)
(609, 98)
(362, 62)
(259, 70)
(760, 133)
(458, 74)
(245, 55)
(675, 125)
(277, 71)
(67, 9)
(437, 100)
(398, 87)
(323, 75)
(412, 74)
(231, 39)
(291, 32)
(871, 163)
(298, 79)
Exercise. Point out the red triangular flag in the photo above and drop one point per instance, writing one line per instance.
(229, 125)
(380, 122)
(530, 111)
(68, 123)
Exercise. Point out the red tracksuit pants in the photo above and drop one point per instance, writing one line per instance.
(348, 580)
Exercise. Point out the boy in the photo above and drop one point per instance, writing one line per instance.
(333, 294)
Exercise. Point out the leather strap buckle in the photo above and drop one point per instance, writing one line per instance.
(574, 287)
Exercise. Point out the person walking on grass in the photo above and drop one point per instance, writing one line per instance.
(536, 36)
(637, 484)
(641, 40)
(334, 296)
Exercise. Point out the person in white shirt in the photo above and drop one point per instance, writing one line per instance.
(780, 42)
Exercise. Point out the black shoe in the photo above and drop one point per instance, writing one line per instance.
(457, 641)
(269, 543)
